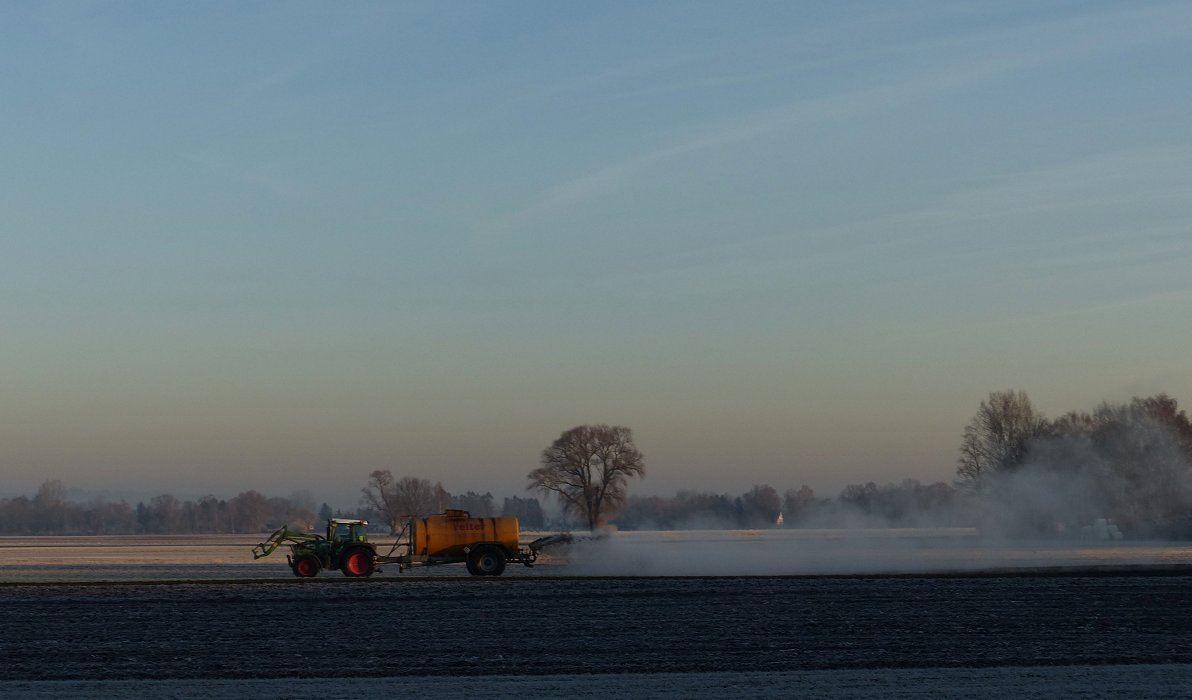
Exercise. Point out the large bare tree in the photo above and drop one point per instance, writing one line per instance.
(998, 437)
(588, 468)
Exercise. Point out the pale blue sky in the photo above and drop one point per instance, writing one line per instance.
(279, 245)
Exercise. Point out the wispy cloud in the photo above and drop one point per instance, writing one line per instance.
(1002, 215)
(344, 36)
(958, 62)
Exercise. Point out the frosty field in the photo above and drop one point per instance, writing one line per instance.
(669, 553)
(708, 614)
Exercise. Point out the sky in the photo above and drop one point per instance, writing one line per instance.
(279, 245)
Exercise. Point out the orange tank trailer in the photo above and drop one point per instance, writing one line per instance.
(486, 545)
(454, 531)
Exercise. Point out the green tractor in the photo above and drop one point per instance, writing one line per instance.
(346, 547)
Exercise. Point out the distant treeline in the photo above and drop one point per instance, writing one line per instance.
(49, 512)
(906, 504)
(1018, 473)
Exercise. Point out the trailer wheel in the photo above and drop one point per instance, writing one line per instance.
(486, 561)
(306, 567)
(357, 562)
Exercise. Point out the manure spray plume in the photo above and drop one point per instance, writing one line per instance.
(772, 552)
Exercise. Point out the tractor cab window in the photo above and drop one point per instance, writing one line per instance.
(343, 532)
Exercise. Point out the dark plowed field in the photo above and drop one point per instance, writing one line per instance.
(337, 627)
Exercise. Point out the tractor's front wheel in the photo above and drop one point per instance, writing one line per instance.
(357, 562)
(306, 567)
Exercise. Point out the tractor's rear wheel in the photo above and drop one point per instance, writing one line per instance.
(486, 560)
(357, 562)
(306, 567)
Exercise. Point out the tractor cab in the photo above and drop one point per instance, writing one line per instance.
(340, 532)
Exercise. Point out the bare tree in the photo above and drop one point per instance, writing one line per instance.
(1147, 445)
(51, 502)
(381, 496)
(798, 505)
(250, 511)
(587, 468)
(760, 506)
(302, 509)
(212, 514)
(998, 437)
(418, 497)
(165, 514)
(479, 505)
(528, 511)
(399, 499)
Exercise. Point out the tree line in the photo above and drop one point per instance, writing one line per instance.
(1129, 463)
(1018, 472)
(50, 512)
(908, 503)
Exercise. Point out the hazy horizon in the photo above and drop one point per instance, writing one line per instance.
(279, 246)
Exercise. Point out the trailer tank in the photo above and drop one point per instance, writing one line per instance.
(454, 531)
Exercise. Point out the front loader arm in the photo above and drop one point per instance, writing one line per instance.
(282, 536)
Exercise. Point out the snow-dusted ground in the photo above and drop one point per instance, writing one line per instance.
(1019, 683)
